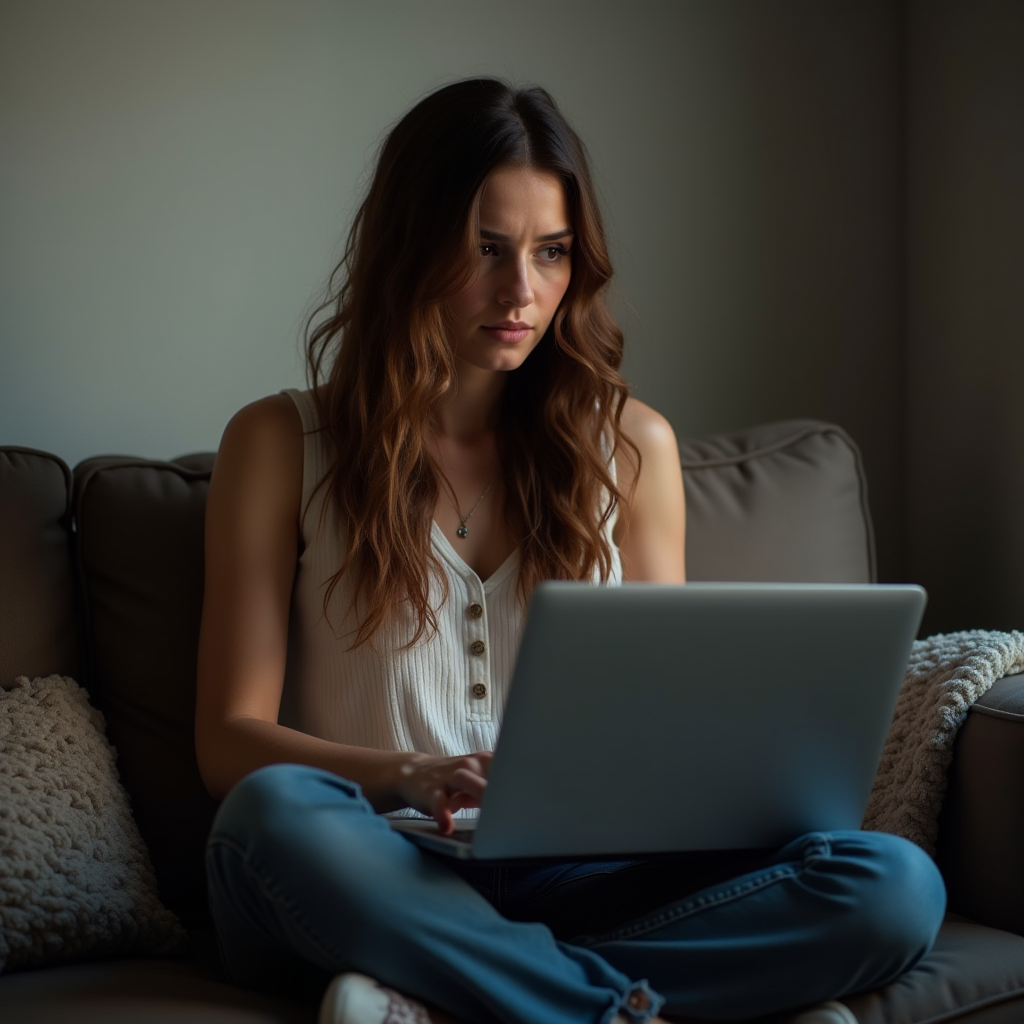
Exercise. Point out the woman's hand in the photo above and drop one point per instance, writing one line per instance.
(439, 786)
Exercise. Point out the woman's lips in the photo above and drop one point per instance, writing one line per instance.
(508, 333)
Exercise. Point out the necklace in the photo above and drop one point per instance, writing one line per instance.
(463, 530)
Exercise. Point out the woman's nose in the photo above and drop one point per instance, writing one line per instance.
(516, 290)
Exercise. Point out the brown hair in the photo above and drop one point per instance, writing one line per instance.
(383, 356)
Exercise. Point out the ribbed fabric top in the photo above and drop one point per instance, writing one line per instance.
(445, 695)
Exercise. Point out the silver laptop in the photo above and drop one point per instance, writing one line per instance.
(649, 719)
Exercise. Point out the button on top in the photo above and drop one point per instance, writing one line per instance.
(478, 647)
(475, 611)
(479, 690)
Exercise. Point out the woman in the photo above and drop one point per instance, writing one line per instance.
(466, 436)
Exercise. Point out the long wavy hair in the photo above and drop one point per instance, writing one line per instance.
(381, 359)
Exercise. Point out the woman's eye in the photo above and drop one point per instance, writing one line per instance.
(488, 250)
(553, 253)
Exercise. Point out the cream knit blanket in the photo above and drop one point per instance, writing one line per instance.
(946, 675)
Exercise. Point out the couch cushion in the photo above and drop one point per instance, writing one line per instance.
(140, 556)
(974, 975)
(786, 502)
(38, 625)
(75, 879)
(139, 992)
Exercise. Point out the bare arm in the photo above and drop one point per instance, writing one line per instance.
(252, 542)
(651, 531)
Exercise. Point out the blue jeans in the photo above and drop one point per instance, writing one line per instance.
(307, 881)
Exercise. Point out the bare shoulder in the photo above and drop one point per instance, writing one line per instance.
(651, 532)
(260, 457)
(268, 430)
(653, 436)
(647, 428)
(273, 419)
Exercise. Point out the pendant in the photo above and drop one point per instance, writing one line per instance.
(462, 531)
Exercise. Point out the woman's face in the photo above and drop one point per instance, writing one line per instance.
(522, 272)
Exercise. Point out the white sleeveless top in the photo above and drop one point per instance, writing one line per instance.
(444, 695)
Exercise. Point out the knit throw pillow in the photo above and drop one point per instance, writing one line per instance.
(76, 882)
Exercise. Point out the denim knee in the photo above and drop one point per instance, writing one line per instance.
(266, 800)
(892, 892)
(909, 899)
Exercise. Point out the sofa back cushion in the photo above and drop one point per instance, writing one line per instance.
(783, 502)
(140, 563)
(39, 633)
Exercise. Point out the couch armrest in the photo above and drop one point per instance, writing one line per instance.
(981, 829)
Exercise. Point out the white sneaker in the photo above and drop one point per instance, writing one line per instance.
(357, 999)
(832, 1012)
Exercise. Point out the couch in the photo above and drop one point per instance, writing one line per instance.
(101, 581)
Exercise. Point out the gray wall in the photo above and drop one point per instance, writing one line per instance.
(965, 311)
(176, 179)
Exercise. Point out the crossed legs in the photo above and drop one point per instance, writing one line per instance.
(306, 881)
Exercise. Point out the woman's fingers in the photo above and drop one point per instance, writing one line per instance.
(441, 812)
(440, 786)
(468, 780)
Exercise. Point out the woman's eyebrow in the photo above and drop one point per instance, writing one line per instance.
(497, 236)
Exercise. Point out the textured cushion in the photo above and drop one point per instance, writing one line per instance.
(38, 627)
(75, 880)
(786, 502)
(140, 556)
